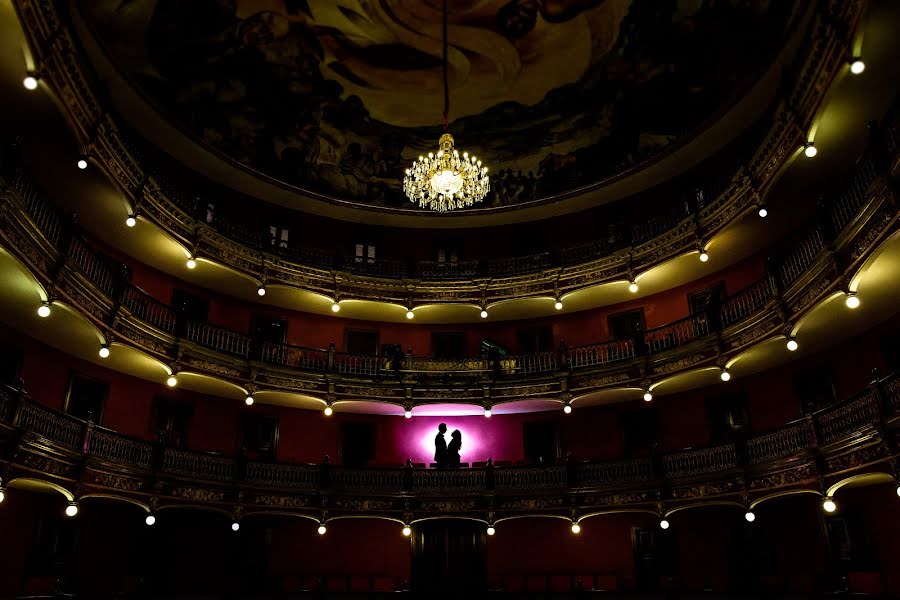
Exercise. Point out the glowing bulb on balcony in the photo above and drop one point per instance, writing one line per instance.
(261, 290)
(567, 409)
(898, 492)
(72, 509)
(857, 66)
(633, 287)
(191, 263)
(704, 256)
(664, 524)
(407, 531)
(487, 413)
(235, 526)
(104, 351)
(792, 344)
(131, 220)
(172, 381)
(150, 520)
(648, 396)
(82, 164)
(249, 400)
(852, 300)
(328, 411)
(558, 305)
(2, 495)
(491, 530)
(30, 82)
(410, 314)
(335, 307)
(829, 506)
(763, 212)
(322, 529)
(407, 414)
(749, 516)
(810, 150)
(44, 310)
(484, 313)
(725, 375)
(576, 528)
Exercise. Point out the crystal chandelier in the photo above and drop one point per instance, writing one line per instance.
(446, 181)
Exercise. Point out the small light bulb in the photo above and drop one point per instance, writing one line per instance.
(484, 313)
(704, 256)
(261, 290)
(487, 413)
(249, 400)
(2, 495)
(408, 414)
(191, 263)
(648, 396)
(852, 300)
(104, 351)
(131, 221)
(810, 151)
(322, 529)
(172, 381)
(633, 287)
(856, 67)
(576, 528)
(335, 307)
(726, 376)
(235, 526)
(491, 530)
(30, 82)
(410, 314)
(82, 164)
(898, 492)
(749, 516)
(71, 509)
(44, 310)
(328, 411)
(792, 344)
(829, 506)
(664, 524)
(763, 212)
(558, 305)
(150, 520)
(407, 531)
(567, 409)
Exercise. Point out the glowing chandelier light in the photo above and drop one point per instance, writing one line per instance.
(446, 180)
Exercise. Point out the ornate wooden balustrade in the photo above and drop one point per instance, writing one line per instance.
(710, 207)
(857, 435)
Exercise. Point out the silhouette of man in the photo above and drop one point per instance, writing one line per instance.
(440, 447)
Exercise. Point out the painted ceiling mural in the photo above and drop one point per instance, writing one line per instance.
(339, 96)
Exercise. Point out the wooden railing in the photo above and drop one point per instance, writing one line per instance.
(148, 309)
(795, 262)
(620, 472)
(791, 440)
(195, 465)
(675, 334)
(56, 427)
(111, 446)
(302, 477)
(695, 463)
(604, 353)
(746, 302)
(219, 338)
(848, 417)
(853, 198)
(298, 357)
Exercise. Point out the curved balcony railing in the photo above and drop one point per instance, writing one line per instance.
(847, 421)
(702, 209)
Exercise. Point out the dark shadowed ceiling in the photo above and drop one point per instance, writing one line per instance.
(336, 97)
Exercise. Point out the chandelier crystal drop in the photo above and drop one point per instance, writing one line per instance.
(447, 180)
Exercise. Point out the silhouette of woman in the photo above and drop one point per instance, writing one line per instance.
(453, 449)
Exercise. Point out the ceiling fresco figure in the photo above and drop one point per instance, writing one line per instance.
(337, 97)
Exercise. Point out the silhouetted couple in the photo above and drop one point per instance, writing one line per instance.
(447, 457)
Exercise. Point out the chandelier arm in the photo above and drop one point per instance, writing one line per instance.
(446, 84)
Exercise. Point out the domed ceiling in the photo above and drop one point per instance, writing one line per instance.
(337, 97)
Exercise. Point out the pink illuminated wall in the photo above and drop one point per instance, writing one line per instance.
(482, 438)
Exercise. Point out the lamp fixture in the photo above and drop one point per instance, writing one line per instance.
(576, 528)
(663, 524)
(235, 526)
(249, 400)
(633, 286)
(567, 408)
(558, 305)
(30, 82)
(809, 149)
(2, 494)
(43, 310)
(82, 163)
(335, 307)
(407, 531)
(491, 530)
(852, 300)
(749, 516)
(410, 314)
(792, 344)
(191, 262)
(322, 529)
(487, 412)
(72, 509)
(172, 381)
(446, 180)
(104, 351)
(261, 290)
(704, 256)
(828, 505)
(407, 413)
(857, 66)
(762, 211)
(725, 375)
(150, 520)
(648, 396)
(131, 220)
(484, 313)
(328, 410)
